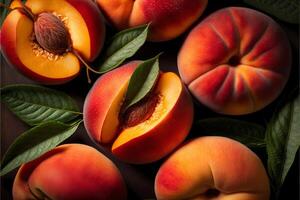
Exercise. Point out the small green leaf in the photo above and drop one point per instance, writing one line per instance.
(141, 82)
(35, 142)
(286, 10)
(250, 134)
(4, 11)
(283, 141)
(36, 104)
(122, 46)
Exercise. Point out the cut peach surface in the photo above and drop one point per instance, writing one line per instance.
(83, 23)
(149, 139)
(236, 65)
(168, 18)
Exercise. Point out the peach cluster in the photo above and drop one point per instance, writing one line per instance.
(150, 129)
(43, 39)
(212, 167)
(68, 172)
(168, 18)
(236, 61)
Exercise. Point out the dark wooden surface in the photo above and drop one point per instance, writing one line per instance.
(140, 178)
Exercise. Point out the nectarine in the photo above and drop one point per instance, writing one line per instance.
(72, 171)
(168, 18)
(236, 65)
(43, 39)
(212, 168)
(148, 130)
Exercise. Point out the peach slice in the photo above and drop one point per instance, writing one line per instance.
(31, 40)
(150, 129)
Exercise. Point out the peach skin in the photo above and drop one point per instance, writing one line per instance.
(150, 129)
(70, 172)
(168, 18)
(43, 39)
(212, 167)
(237, 65)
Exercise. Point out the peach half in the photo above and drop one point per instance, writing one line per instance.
(237, 65)
(212, 167)
(43, 39)
(168, 18)
(150, 129)
(70, 172)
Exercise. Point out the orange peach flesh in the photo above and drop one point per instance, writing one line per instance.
(212, 168)
(168, 90)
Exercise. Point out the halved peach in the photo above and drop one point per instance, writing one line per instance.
(36, 52)
(150, 129)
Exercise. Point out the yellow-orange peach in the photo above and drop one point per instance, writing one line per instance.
(236, 65)
(41, 42)
(212, 167)
(168, 18)
(151, 129)
(69, 172)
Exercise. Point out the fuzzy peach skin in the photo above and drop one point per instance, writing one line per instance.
(70, 172)
(169, 18)
(236, 65)
(149, 140)
(212, 167)
(84, 23)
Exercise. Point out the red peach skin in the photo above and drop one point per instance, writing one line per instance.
(70, 172)
(169, 18)
(236, 65)
(212, 168)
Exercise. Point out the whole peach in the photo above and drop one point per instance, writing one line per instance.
(168, 18)
(71, 171)
(212, 168)
(236, 65)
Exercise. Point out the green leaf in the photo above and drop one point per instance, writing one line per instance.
(36, 104)
(286, 10)
(141, 82)
(122, 46)
(283, 141)
(35, 142)
(250, 134)
(3, 10)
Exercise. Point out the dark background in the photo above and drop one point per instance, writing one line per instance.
(140, 178)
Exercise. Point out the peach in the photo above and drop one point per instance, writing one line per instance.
(43, 39)
(71, 171)
(236, 65)
(212, 167)
(168, 18)
(150, 129)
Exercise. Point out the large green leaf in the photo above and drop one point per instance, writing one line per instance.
(36, 104)
(35, 142)
(286, 10)
(283, 141)
(122, 46)
(141, 82)
(250, 134)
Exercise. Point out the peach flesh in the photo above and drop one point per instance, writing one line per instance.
(240, 63)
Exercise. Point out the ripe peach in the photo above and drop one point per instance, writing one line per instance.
(43, 39)
(168, 18)
(72, 171)
(236, 65)
(150, 129)
(212, 168)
